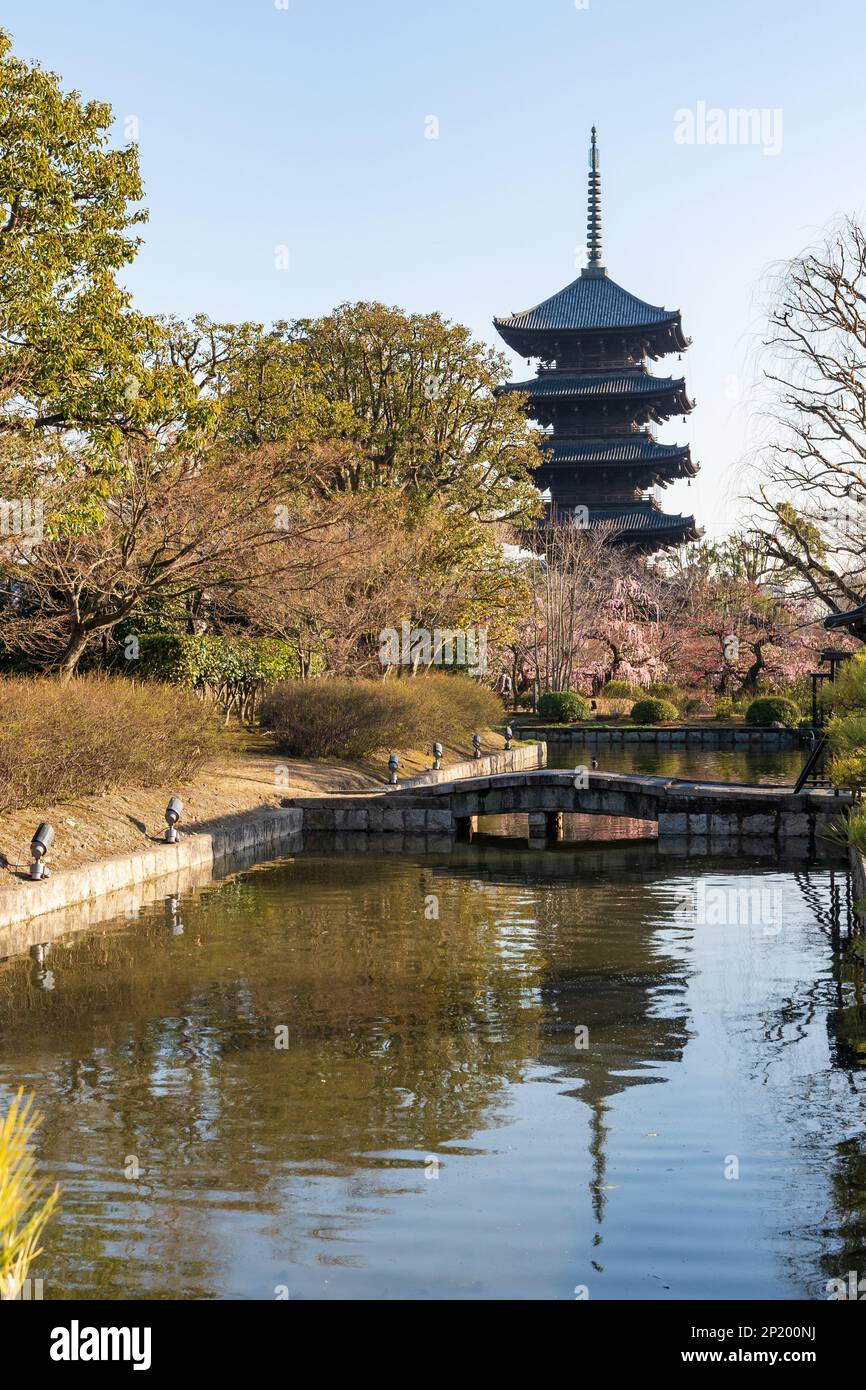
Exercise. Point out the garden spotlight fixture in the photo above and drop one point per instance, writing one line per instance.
(437, 756)
(476, 745)
(173, 813)
(392, 769)
(509, 735)
(39, 847)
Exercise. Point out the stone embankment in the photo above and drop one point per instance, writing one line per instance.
(742, 738)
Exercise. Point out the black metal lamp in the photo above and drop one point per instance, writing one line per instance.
(39, 847)
(173, 813)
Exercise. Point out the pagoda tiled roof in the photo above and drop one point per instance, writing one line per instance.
(600, 385)
(641, 516)
(597, 384)
(640, 449)
(591, 301)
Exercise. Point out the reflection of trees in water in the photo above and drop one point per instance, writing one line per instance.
(846, 1027)
(830, 1097)
(848, 1187)
(404, 1034)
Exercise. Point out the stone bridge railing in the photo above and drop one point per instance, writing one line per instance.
(719, 814)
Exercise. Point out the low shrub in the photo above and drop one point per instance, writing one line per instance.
(563, 706)
(772, 709)
(853, 827)
(847, 734)
(724, 707)
(456, 706)
(654, 711)
(232, 671)
(621, 690)
(697, 704)
(846, 698)
(354, 718)
(98, 732)
(666, 690)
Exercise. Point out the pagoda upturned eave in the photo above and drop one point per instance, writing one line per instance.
(591, 305)
(616, 387)
(644, 526)
(639, 452)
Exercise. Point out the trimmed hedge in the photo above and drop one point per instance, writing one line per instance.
(563, 706)
(654, 712)
(354, 718)
(773, 709)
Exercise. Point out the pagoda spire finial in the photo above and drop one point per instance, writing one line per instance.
(593, 224)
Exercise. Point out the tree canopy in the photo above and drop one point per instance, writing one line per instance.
(810, 492)
(410, 398)
(72, 348)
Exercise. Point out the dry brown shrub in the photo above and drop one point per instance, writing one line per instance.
(354, 718)
(96, 733)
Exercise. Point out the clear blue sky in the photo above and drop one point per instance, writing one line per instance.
(304, 127)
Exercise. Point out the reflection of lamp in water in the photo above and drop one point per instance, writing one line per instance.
(173, 813)
(42, 978)
(173, 913)
(39, 847)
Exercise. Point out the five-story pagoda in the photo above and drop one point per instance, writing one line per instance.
(598, 401)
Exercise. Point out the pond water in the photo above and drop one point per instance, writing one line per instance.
(770, 765)
(490, 1073)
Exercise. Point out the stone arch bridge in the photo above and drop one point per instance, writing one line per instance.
(720, 815)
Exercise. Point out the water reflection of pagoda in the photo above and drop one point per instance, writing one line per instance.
(595, 396)
(625, 988)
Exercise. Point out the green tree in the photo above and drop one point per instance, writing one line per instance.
(409, 399)
(74, 356)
